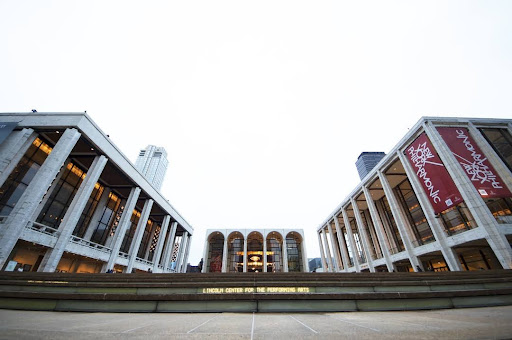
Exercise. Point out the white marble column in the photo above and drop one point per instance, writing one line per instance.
(327, 250)
(13, 149)
(379, 228)
(304, 255)
(181, 253)
(341, 242)
(160, 243)
(364, 237)
(245, 254)
(322, 252)
(285, 255)
(169, 247)
(264, 253)
(52, 257)
(355, 251)
(139, 232)
(225, 255)
(29, 200)
(124, 223)
(336, 251)
(187, 253)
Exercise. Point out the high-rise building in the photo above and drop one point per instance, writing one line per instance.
(367, 161)
(152, 163)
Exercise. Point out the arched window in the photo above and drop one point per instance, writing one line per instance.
(255, 252)
(274, 252)
(235, 252)
(294, 250)
(215, 250)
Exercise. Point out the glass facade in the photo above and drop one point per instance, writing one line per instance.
(130, 233)
(372, 235)
(274, 253)
(146, 237)
(457, 219)
(235, 253)
(501, 142)
(22, 175)
(390, 226)
(415, 216)
(357, 241)
(108, 220)
(90, 208)
(255, 252)
(293, 249)
(215, 252)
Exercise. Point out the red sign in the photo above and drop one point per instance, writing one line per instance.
(474, 163)
(435, 179)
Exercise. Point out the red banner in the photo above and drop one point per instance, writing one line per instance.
(433, 176)
(474, 163)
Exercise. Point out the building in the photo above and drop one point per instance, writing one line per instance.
(70, 201)
(241, 250)
(315, 264)
(152, 163)
(440, 200)
(367, 161)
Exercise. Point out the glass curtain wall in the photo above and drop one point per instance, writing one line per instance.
(22, 175)
(154, 242)
(215, 252)
(347, 242)
(109, 219)
(359, 246)
(145, 239)
(235, 253)
(60, 198)
(128, 237)
(457, 219)
(90, 208)
(414, 213)
(293, 248)
(372, 235)
(390, 225)
(274, 253)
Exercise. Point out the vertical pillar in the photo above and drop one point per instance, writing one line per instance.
(187, 252)
(327, 250)
(364, 236)
(245, 254)
(123, 224)
(400, 223)
(341, 241)
(379, 228)
(100, 208)
(322, 253)
(181, 253)
(205, 255)
(29, 200)
(169, 247)
(285, 255)
(139, 232)
(482, 215)
(13, 149)
(160, 243)
(264, 252)
(336, 251)
(52, 257)
(355, 251)
(225, 255)
(435, 225)
(304, 256)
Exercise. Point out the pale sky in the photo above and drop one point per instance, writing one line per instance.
(262, 106)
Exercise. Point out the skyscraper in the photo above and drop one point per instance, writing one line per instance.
(367, 161)
(152, 163)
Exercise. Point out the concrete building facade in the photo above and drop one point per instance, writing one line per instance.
(241, 250)
(70, 201)
(152, 163)
(440, 200)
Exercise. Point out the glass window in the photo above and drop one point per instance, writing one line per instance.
(501, 142)
(359, 247)
(255, 252)
(414, 213)
(501, 209)
(236, 253)
(274, 253)
(215, 251)
(390, 225)
(145, 240)
(457, 219)
(128, 237)
(372, 235)
(293, 248)
(58, 203)
(22, 175)
(108, 220)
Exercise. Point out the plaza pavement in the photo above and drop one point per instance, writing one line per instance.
(467, 323)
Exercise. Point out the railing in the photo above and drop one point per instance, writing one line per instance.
(89, 244)
(123, 255)
(41, 228)
(500, 219)
(143, 261)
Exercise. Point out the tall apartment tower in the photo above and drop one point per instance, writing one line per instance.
(367, 161)
(152, 163)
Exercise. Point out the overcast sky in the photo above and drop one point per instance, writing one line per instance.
(263, 106)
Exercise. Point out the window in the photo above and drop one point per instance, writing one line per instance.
(501, 142)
